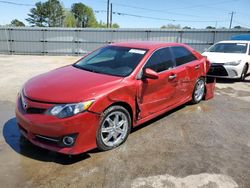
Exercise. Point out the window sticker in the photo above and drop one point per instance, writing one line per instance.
(136, 51)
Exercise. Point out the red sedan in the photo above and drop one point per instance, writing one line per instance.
(96, 101)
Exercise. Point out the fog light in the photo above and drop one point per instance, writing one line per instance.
(68, 140)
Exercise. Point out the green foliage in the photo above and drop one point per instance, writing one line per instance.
(17, 23)
(84, 15)
(210, 27)
(171, 26)
(37, 15)
(49, 13)
(238, 27)
(115, 25)
(54, 12)
(104, 25)
(69, 20)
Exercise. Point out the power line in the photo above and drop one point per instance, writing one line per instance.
(205, 5)
(157, 18)
(148, 9)
(19, 4)
(164, 19)
(222, 9)
(152, 10)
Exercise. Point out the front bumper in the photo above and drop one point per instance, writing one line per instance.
(47, 131)
(221, 71)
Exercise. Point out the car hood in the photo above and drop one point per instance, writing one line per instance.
(215, 57)
(68, 84)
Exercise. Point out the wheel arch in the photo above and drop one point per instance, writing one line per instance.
(126, 106)
(247, 66)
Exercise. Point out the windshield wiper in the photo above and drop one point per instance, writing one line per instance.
(87, 69)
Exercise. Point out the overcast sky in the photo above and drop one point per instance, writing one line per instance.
(151, 13)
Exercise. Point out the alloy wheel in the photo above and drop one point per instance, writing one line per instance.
(114, 129)
(199, 90)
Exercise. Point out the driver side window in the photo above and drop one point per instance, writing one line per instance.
(161, 60)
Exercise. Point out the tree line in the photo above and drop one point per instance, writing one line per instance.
(178, 26)
(51, 13)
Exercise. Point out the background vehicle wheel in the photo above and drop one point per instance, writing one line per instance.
(114, 128)
(244, 73)
(199, 91)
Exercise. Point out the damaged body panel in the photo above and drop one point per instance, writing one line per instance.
(96, 101)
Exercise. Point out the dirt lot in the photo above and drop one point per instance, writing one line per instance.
(195, 146)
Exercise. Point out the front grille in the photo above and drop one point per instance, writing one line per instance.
(30, 110)
(217, 70)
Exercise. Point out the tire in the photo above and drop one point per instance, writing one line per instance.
(244, 73)
(114, 128)
(199, 91)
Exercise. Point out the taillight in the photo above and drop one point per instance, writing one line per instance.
(207, 65)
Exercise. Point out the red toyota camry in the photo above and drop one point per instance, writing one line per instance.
(96, 101)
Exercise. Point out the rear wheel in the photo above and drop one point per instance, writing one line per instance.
(244, 73)
(199, 91)
(114, 128)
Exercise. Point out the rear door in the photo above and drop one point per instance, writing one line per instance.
(188, 70)
(157, 94)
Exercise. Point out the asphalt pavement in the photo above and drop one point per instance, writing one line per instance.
(194, 146)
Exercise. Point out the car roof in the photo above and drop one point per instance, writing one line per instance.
(150, 45)
(234, 41)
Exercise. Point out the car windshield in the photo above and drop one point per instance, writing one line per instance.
(229, 48)
(112, 60)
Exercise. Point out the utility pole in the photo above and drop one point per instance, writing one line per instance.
(108, 14)
(111, 14)
(231, 20)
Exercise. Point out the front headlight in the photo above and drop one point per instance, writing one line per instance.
(67, 110)
(234, 63)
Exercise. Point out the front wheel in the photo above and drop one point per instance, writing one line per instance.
(114, 128)
(199, 91)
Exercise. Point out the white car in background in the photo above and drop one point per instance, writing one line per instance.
(229, 59)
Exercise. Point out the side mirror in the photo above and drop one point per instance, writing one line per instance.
(149, 73)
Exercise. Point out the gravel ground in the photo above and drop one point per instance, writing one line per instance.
(194, 146)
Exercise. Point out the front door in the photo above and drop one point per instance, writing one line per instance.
(157, 94)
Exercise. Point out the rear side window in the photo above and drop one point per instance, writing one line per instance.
(161, 60)
(182, 55)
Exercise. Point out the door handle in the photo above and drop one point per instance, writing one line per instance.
(173, 76)
(197, 67)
